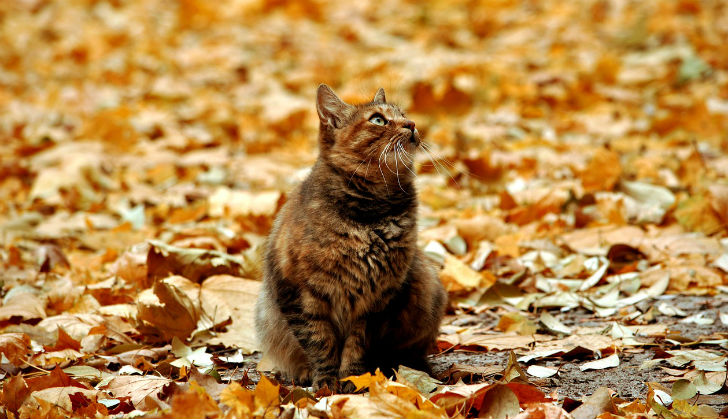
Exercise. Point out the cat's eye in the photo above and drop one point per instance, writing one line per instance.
(377, 119)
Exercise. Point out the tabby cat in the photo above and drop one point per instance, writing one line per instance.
(345, 288)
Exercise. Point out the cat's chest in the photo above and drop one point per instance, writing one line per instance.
(383, 242)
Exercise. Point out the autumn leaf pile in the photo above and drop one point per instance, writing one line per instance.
(577, 160)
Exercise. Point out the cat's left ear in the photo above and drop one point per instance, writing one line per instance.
(332, 111)
(379, 97)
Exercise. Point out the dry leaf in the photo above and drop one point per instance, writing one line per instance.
(608, 362)
(595, 405)
(15, 347)
(23, 306)
(145, 391)
(169, 308)
(603, 171)
(194, 264)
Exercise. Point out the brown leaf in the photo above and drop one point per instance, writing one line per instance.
(719, 201)
(599, 402)
(14, 392)
(697, 214)
(529, 213)
(194, 264)
(56, 378)
(58, 401)
(23, 306)
(77, 326)
(499, 403)
(49, 256)
(224, 295)
(456, 276)
(193, 403)
(146, 392)
(15, 347)
(132, 265)
(206, 382)
(172, 307)
(61, 358)
(64, 341)
(603, 171)
(501, 341)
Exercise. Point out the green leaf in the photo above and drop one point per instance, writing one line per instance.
(683, 390)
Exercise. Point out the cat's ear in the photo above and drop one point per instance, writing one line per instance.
(332, 111)
(379, 97)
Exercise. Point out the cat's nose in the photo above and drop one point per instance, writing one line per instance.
(410, 125)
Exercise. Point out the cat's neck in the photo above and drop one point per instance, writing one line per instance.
(357, 199)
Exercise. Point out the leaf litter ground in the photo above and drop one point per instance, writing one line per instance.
(574, 197)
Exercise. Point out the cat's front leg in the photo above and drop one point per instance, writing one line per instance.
(308, 316)
(319, 341)
(352, 355)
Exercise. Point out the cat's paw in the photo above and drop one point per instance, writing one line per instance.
(330, 383)
(347, 387)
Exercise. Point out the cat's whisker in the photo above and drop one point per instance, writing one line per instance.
(382, 172)
(366, 172)
(386, 151)
(396, 162)
(410, 161)
(406, 153)
(437, 155)
(436, 163)
(359, 166)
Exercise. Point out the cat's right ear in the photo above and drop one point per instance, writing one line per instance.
(332, 111)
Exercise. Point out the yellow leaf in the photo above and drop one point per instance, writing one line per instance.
(603, 171)
(366, 380)
(266, 395)
(239, 399)
(456, 276)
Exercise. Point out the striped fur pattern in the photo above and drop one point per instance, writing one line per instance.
(346, 289)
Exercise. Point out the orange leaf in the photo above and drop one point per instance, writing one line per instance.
(15, 347)
(603, 171)
(64, 341)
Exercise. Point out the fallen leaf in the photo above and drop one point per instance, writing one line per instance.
(15, 347)
(23, 306)
(458, 277)
(709, 382)
(683, 390)
(168, 308)
(553, 325)
(697, 214)
(541, 372)
(653, 201)
(499, 402)
(608, 362)
(595, 405)
(418, 379)
(55, 401)
(192, 403)
(603, 171)
(227, 294)
(144, 391)
(194, 264)
(15, 391)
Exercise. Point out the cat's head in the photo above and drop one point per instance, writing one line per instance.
(373, 141)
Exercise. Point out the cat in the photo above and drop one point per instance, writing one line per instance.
(345, 288)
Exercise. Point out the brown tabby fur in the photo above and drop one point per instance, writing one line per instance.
(345, 288)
